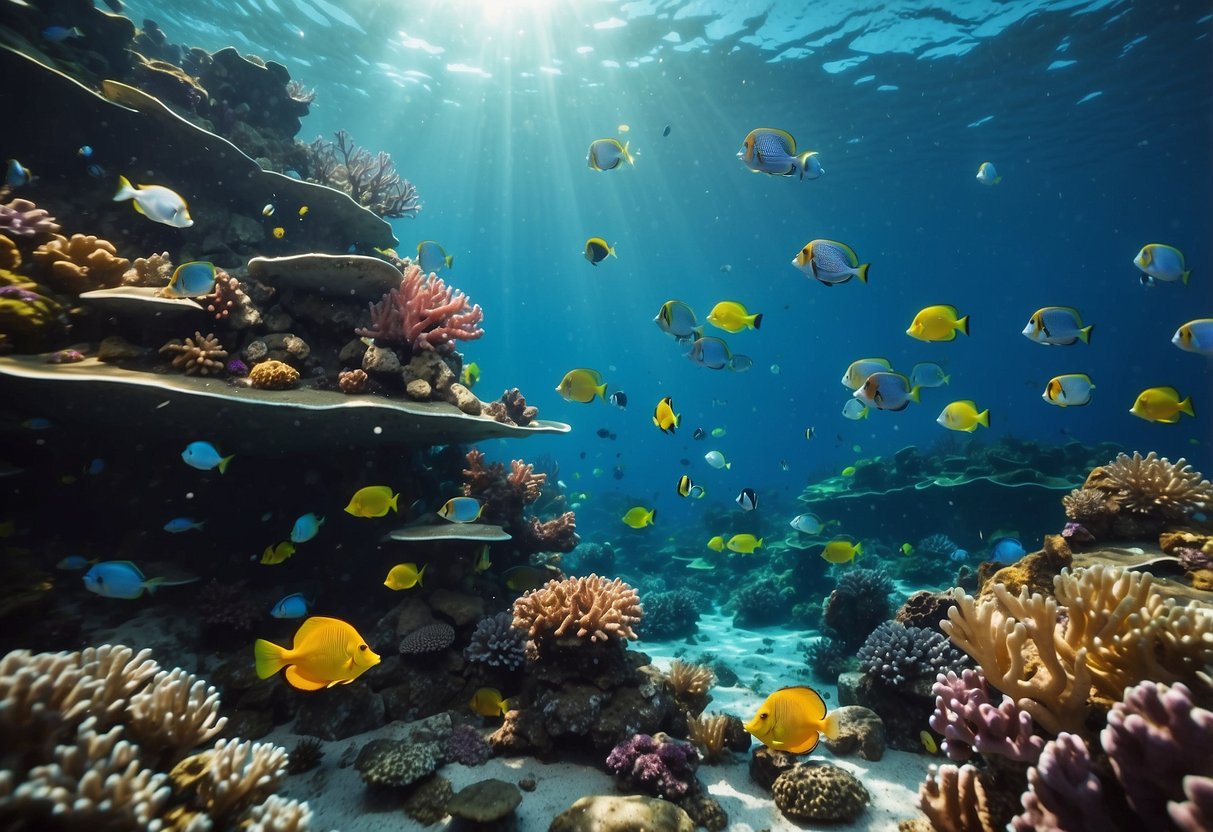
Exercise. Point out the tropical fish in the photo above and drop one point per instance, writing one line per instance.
(303, 209)
(716, 460)
(597, 250)
(700, 564)
(854, 409)
(277, 553)
(664, 416)
(792, 719)
(773, 151)
(204, 457)
(581, 385)
(1195, 336)
(842, 549)
(744, 543)
(1070, 390)
(481, 562)
(857, 373)
(84, 151)
(461, 510)
(928, 742)
(279, 232)
(326, 652)
(677, 319)
(122, 579)
(928, 374)
(291, 606)
(775, 370)
(747, 499)
(718, 432)
(488, 702)
(16, 174)
(732, 316)
(306, 527)
(608, 154)
(887, 391)
(1058, 326)
(1162, 262)
(849, 471)
(1161, 404)
(684, 486)
(988, 175)
(714, 354)
(523, 578)
(191, 280)
(830, 262)
(372, 501)
(638, 517)
(155, 202)
(183, 524)
(431, 257)
(469, 375)
(698, 434)
(405, 576)
(938, 323)
(619, 399)
(73, 562)
(37, 423)
(716, 544)
(810, 523)
(268, 210)
(58, 34)
(906, 549)
(963, 415)
(784, 465)
(1006, 550)
(698, 492)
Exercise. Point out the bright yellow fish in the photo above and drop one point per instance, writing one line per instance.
(277, 554)
(405, 576)
(938, 323)
(1161, 404)
(581, 385)
(963, 416)
(732, 316)
(664, 416)
(716, 544)
(372, 501)
(326, 652)
(744, 543)
(488, 702)
(639, 517)
(841, 550)
(792, 719)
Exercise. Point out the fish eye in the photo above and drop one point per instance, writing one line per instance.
(763, 715)
(362, 647)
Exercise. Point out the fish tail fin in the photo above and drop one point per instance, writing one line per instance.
(600, 391)
(504, 706)
(759, 546)
(125, 190)
(421, 575)
(392, 503)
(449, 260)
(627, 155)
(914, 394)
(1084, 334)
(946, 379)
(223, 463)
(963, 324)
(983, 418)
(728, 465)
(997, 179)
(270, 658)
(611, 251)
(859, 548)
(830, 726)
(863, 272)
(757, 322)
(152, 584)
(652, 516)
(802, 162)
(1185, 277)
(1186, 407)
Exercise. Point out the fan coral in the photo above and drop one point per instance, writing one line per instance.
(273, 375)
(894, 654)
(201, 355)
(428, 639)
(424, 313)
(1154, 485)
(968, 721)
(467, 746)
(590, 607)
(81, 263)
(1084, 505)
(371, 181)
(22, 218)
(660, 765)
(496, 643)
(707, 732)
(155, 270)
(352, 382)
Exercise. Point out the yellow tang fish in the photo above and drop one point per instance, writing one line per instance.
(928, 742)
(581, 385)
(639, 517)
(963, 415)
(732, 316)
(372, 501)
(792, 719)
(744, 543)
(1161, 404)
(277, 554)
(405, 576)
(470, 375)
(938, 323)
(488, 702)
(326, 652)
(664, 416)
(716, 544)
(841, 549)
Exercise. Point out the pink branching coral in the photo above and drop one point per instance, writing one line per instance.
(425, 314)
(226, 297)
(503, 495)
(22, 218)
(589, 609)
(556, 535)
(968, 720)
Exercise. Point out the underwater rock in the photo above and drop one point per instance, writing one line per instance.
(523, 732)
(859, 730)
(381, 361)
(820, 792)
(485, 802)
(461, 607)
(340, 712)
(925, 609)
(766, 764)
(331, 275)
(612, 813)
(426, 804)
(903, 710)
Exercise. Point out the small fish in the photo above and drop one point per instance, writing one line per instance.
(432, 258)
(809, 433)
(938, 323)
(623, 128)
(698, 492)
(1195, 336)
(156, 202)
(608, 154)
(303, 213)
(204, 457)
(1057, 326)
(830, 262)
(278, 553)
(58, 34)
(744, 544)
(887, 391)
(84, 151)
(842, 549)
(122, 579)
(469, 375)
(1162, 262)
(1161, 404)
(699, 433)
(461, 510)
(963, 416)
(988, 175)
(793, 719)
(928, 742)
(405, 576)
(773, 151)
(638, 517)
(784, 465)
(1070, 390)
(372, 501)
(732, 316)
(666, 131)
(306, 527)
(37, 423)
(747, 499)
(857, 373)
(775, 369)
(677, 319)
(481, 562)
(581, 385)
(95, 171)
(716, 544)
(16, 175)
(928, 374)
(488, 702)
(279, 232)
(524, 578)
(619, 399)
(191, 280)
(1006, 550)
(810, 523)
(849, 471)
(716, 460)
(726, 267)
(291, 606)
(268, 210)
(701, 565)
(714, 354)
(183, 524)
(684, 486)
(597, 250)
(326, 652)
(906, 549)
(854, 409)
(71, 563)
(96, 467)
(664, 416)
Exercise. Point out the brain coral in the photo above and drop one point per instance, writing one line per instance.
(820, 792)
(273, 375)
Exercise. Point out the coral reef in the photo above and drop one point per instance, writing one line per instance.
(427, 802)
(430, 638)
(22, 218)
(760, 603)
(936, 546)
(394, 764)
(273, 375)
(578, 608)
(896, 654)
(956, 799)
(1153, 485)
(512, 409)
(10, 255)
(969, 722)
(708, 733)
(659, 765)
(371, 181)
(486, 804)
(690, 683)
(673, 614)
(857, 606)
(599, 813)
(153, 270)
(352, 382)
(1085, 505)
(81, 263)
(226, 297)
(503, 495)
(467, 746)
(556, 535)
(201, 355)
(820, 792)
(496, 644)
(28, 319)
(826, 659)
(1062, 792)
(423, 314)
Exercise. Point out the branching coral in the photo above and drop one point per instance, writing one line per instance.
(226, 296)
(371, 181)
(969, 722)
(154, 270)
(956, 800)
(1154, 485)
(589, 609)
(81, 263)
(352, 382)
(201, 355)
(424, 314)
(1083, 505)
(496, 643)
(22, 218)
(502, 495)
(1063, 793)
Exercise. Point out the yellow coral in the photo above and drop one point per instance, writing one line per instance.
(10, 257)
(707, 732)
(273, 375)
(590, 607)
(81, 263)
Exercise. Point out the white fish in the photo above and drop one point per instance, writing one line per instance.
(156, 202)
(987, 174)
(716, 460)
(1070, 390)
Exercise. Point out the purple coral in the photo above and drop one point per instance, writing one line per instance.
(1155, 738)
(425, 314)
(1063, 792)
(660, 765)
(968, 721)
(1196, 813)
(467, 746)
(1193, 559)
(22, 218)
(371, 181)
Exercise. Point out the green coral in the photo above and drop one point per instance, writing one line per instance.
(28, 318)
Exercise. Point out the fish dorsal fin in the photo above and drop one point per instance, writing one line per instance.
(818, 704)
(139, 571)
(310, 627)
(969, 402)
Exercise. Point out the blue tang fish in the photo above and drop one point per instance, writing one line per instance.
(74, 562)
(122, 579)
(204, 457)
(183, 524)
(291, 606)
(16, 175)
(191, 280)
(306, 527)
(1006, 550)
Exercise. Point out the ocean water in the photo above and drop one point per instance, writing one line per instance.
(1098, 116)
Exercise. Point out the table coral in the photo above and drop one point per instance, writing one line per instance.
(273, 375)
(22, 218)
(81, 263)
(589, 609)
(424, 314)
(201, 355)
